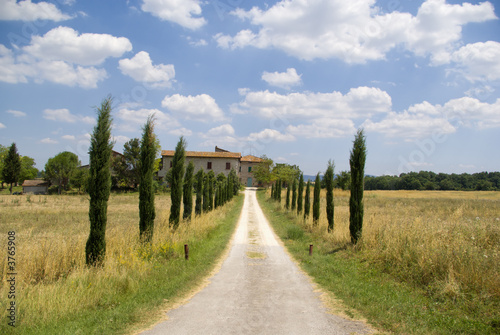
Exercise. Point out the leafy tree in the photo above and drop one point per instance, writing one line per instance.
(294, 195)
(286, 172)
(307, 200)
(79, 178)
(199, 192)
(176, 182)
(263, 171)
(61, 168)
(316, 200)
(300, 192)
(11, 166)
(28, 169)
(99, 184)
(356, 207)
(188, 191)
(329, 175)
(146, 190)
(132, 158)
(344, 180)
(3, 154)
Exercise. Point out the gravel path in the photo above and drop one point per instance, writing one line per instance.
(258, 290)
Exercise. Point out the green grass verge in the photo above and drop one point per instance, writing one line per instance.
(126, 310)
(388, 304)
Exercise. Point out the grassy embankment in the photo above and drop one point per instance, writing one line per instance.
(57, 294)
(428, 262)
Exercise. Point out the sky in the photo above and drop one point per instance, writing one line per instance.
(293, 80)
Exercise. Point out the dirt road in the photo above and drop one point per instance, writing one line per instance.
(258, 290)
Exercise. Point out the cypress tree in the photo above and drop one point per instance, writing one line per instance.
(272, 191)
(294, 194)
(316, 200)
(146, 191)
(278, 197)
(12, 166)
(176, 182)
(217, 196)
(356, 207)
(300, 192)
(206, 205)
(99, 184)
(229, 187)
(307, 200)
(329, 176)
(211, 182)
(199, 192)
(188, 192)
(287, 204)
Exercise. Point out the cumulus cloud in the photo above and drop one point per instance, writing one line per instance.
(64, 115)
(68, 137)
(141, 69)
(133, 119)
(48, 140)
(66, 44)
(270, 135)
(2, 125)
(222, 130)
(283, 79)
(355, 31)
(183, 12)
(323, 128)
(200, 107)
(61, 56)
(11, 10)
(478, 61)
(16, 113)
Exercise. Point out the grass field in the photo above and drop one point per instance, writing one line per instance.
(57, 294)
(442, 246)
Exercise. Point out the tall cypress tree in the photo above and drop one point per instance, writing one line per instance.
(300, 192)
(11, 167)
(188, 191)
(146, 192)
(272, 191)
(329, 176)
(307, 200)
(99, 184)
(176, 182)
(287, 203)
(356, 206)
(206, 204)
(294, 194)
(316, 200)
(199, 192)
(211, 182)
(278, 197)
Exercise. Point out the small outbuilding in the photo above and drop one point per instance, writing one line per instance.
(36, 186)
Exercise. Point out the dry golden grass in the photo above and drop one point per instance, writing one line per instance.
(51, 232)
(447, 242)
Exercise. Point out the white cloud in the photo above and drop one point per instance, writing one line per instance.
(64, 73)
(64, 115)
(270, 135)
(358, 102)
(12, 72)
(2, 125)
(141, 69)
(181, 132)
(133, 119)
(183, 12)
(27, 11)
(323, 128)
(478, 61)
(355, 31)
(48, 140)
(16, 113)
(225, 129)
(120, 139)
(65, 44)
(200, 107)
(68, 137)
(283, 79)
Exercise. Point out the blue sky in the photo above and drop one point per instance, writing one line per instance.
(290, 79)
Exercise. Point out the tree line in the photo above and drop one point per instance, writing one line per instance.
(301, 202)
(14, 168)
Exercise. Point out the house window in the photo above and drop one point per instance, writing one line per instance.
(228, 166)
(209, 165)
(249, 169)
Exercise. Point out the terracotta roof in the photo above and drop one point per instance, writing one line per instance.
(36, 182)
(250, 158)
(208, 154)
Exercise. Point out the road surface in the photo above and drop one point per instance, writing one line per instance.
(258, 290)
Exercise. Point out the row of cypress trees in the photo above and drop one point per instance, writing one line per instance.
(211, 191)
(356, 206)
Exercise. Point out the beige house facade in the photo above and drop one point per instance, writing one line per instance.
(218, 161)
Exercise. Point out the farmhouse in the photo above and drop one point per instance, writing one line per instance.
(36, 186)
(217, 161)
